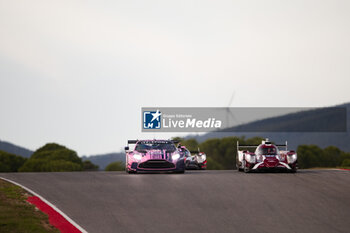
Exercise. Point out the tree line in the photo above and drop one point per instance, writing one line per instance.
(51, 157)
(221, 155)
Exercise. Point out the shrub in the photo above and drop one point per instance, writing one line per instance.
(89, 166)
(10, 162)
(346, 163)
(53, 151)
(53, 158)
(115, 166)
(60, 166)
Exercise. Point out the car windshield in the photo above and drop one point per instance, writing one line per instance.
(154, 145)
(267, 151)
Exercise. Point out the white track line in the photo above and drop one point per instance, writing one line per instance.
(48, 203)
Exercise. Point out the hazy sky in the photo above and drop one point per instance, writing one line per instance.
(78, 72)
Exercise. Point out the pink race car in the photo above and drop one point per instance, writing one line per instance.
(154, 155)
(267, 157)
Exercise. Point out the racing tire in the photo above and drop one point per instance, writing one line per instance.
(180, 172)
(131, 172)
(246, 169)
(238, 168)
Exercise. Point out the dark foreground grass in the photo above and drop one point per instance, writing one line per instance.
(17, 215)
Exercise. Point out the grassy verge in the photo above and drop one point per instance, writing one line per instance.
(17, 215)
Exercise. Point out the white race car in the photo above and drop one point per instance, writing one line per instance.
(267, 157)
(194, 159)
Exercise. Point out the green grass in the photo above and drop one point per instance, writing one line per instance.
(17, 215)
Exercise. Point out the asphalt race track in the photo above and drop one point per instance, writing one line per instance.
(198, 201)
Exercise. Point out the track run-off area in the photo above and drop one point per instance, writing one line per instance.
(198, 201)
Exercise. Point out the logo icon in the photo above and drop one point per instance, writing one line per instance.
(152, 119)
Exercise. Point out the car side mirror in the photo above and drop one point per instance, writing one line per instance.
(126, 148)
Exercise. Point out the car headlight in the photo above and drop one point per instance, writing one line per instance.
(251, 158)
(292, 158)
(259, 158)
(204, 157)
(176, 156)
(137, 156)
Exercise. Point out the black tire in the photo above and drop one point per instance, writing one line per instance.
(237, 167)
(246, 169)
(180, 172)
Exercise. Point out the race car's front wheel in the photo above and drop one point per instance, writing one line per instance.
(245, 168)
(130, 171)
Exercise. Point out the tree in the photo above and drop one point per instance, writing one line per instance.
(60, 166)
(346, 163)
(344, 156)
(53, 151)
(221, 152)
(179, 139)
(313, 156)
(33, 165)
(309, 156)
(331, 157)
(252, 141)
(53, 158)
(89, 166)
(10, 162)
(213, 165)
(115, 166)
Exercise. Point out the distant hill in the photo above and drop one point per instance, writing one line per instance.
(13, 149)
(104, 159)
(281, 129)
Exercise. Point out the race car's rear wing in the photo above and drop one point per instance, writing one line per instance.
(132, 141)
(264, 142)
